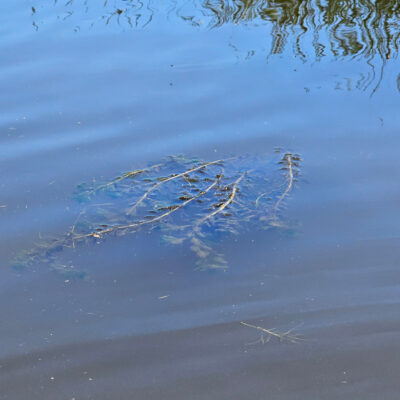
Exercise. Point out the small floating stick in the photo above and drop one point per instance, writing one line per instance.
(287, 335)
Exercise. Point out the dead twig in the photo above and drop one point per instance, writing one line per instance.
(230, 199)
(287, 335)
(133, 207)
(84, 212)
(289, 165)
(126, 175)
(98, 234)
(222, 211)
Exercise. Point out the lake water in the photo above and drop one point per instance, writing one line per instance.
(90, 90)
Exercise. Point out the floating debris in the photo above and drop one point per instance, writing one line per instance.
(186, 199)
(267, 334)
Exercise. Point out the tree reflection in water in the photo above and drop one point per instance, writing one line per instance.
(346, 29)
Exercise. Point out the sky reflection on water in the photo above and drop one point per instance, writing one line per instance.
(308, 29)
(90, 90)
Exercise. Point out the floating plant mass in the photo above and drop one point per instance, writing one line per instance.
(187, 200)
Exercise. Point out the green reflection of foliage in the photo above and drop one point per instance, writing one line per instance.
(345, 29)
(353, 27)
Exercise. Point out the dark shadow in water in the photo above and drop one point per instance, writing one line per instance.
(346, 29)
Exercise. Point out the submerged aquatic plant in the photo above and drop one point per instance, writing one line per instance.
(188, 200)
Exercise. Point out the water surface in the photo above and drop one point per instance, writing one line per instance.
(92, 90)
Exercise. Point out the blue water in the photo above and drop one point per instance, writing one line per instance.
(85, 95)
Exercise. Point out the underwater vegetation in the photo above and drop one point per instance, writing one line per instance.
(187, 200)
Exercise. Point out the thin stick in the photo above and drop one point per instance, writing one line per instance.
(126, 175)
(83, 211)
(272, 332)
(259, 328)
(156, 219)
(290, 183)
(131, 209)
(226, 203)
(260, 197)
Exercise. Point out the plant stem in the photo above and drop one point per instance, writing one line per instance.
(131, 209)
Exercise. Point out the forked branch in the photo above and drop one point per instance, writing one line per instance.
(133, 207)
(230, 199)
(134, 225)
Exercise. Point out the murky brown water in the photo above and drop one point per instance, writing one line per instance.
(86, 95)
